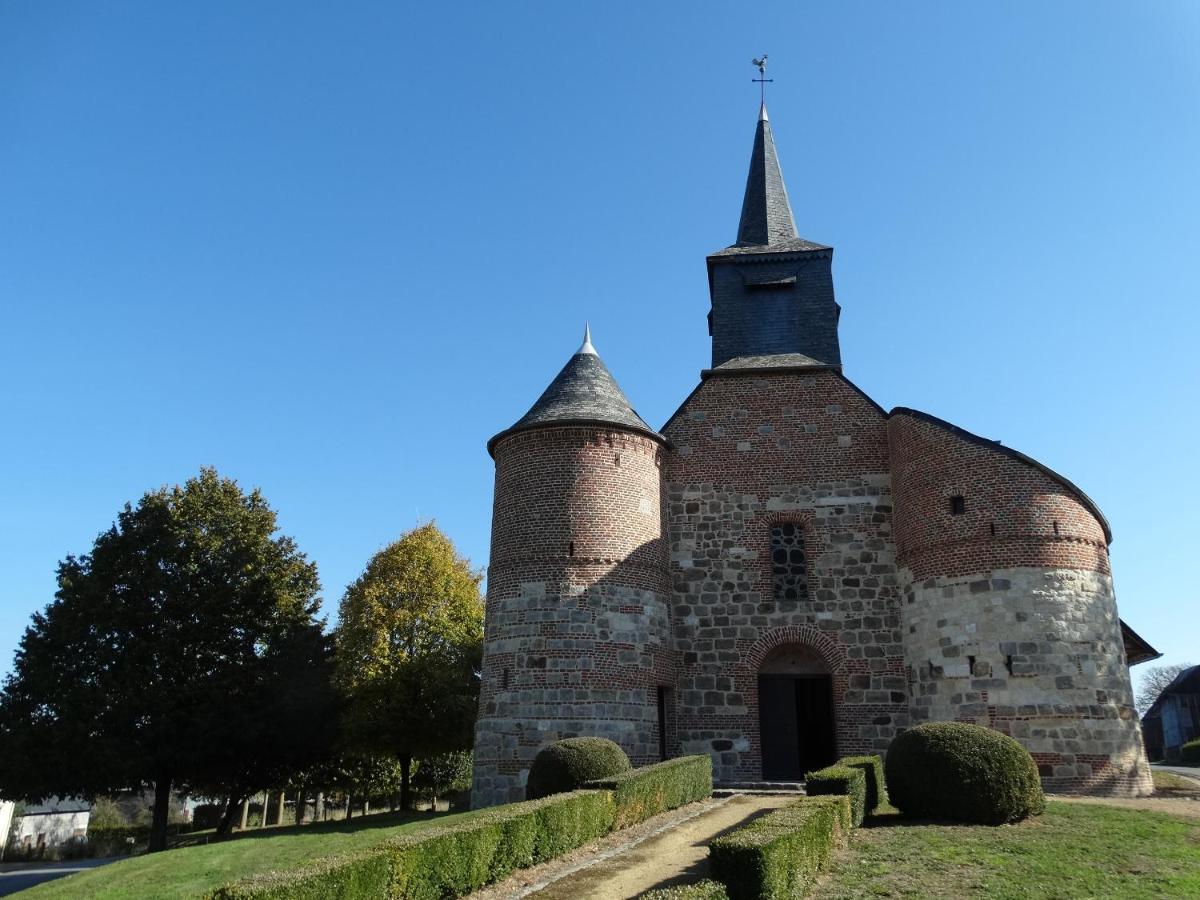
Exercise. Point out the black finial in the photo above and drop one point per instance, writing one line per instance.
(762, 78)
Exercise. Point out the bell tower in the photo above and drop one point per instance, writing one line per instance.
(772, 291)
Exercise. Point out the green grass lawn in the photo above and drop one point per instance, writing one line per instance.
(1074, 850)
(1170, 783)
(193, 871)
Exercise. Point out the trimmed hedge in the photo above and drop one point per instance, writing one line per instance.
(569, 764)
(872, 768)
(650, 790)
(778, 855)
(701, 890)
(840, 780)
(964, 773)
(1190, 752)
(443, 862)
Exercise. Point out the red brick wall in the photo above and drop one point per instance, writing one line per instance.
(1015, 514)
(598, 490)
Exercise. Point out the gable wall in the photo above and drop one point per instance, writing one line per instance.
(748, 451)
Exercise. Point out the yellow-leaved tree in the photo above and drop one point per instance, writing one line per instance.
(409, 645)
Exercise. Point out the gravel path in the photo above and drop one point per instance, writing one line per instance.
(668, 849)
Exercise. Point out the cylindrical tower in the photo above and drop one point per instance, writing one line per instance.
(1009, 618)
(577, 639)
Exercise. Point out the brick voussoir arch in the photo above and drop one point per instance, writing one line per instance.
(829, 649)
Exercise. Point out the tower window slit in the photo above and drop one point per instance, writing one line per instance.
(958, 505)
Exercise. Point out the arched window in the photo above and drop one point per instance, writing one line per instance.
(788, 570)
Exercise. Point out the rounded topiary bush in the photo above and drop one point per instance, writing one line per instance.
(966, 773)
(1190, 752)
(570, 763)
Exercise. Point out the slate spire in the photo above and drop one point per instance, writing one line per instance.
(766, 212)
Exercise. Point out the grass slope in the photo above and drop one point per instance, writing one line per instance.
(194, 871)
(1074, 850)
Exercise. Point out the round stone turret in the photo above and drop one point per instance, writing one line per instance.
(1010, 619)
(577, 639)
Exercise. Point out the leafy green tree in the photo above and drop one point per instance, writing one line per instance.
(409, 644)
(439, 775)
(159, 661)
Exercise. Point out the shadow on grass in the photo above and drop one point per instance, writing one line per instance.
(341, 826)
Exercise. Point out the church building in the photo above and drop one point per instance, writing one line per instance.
(784, 572)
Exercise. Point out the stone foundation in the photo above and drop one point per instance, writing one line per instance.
(1036, 654)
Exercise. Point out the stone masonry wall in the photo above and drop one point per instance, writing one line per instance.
(577, 631)
(748, 451)
(1036, 654)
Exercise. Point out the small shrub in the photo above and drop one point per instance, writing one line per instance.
(962, 772)
(701, 890)
(569, 764)
(840, 781)
(207, 815)
(650, 790)
(779, 855)
(872, 768)
(1190, 752)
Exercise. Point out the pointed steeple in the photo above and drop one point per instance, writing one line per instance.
(583, 393)
(766, 212)
(587, 341)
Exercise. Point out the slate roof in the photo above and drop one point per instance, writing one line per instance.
(795, 245)
(767, 224)
(583, 393)
(772, 361)
(1137, 648)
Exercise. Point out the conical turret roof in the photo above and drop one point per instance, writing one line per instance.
(583, 393)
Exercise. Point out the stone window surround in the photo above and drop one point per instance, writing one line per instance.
(811, 543)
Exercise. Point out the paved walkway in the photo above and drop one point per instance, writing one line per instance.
(19, 876)
(673, 852)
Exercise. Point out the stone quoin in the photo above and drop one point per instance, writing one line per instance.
(785, 572)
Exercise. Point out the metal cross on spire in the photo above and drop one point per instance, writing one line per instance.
(762, 78)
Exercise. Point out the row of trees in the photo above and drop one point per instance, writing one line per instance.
(185, 653)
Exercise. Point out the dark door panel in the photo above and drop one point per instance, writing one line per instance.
(795, 724)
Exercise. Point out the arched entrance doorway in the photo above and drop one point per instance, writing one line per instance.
(795, 713)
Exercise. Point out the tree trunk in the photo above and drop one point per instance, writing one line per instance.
(301, 805)
(279, 815)
(231, 810)
(245, 812)
(262, 823)
(319, 812)
(162, 807)
(405, 782)
(349, 807)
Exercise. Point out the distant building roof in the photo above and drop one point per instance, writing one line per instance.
(1186, 682)
(57, 805)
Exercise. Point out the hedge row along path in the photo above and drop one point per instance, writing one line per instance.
(668, 849)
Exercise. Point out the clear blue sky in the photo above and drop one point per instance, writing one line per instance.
(332, 248)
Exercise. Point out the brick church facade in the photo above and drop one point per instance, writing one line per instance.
(785, 572)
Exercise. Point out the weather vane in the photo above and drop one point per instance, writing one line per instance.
(762, 78)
